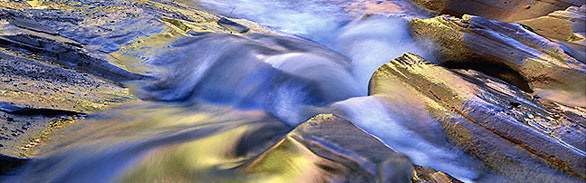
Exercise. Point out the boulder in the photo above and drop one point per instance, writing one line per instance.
(327, 148)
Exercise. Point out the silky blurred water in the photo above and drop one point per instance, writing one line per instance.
(254, 87)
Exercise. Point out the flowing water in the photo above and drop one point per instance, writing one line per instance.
(219, 99)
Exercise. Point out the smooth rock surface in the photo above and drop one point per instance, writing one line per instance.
(508, 51)
(512, 132)
(561, 25)
(567, 26)
(327, 148)
(501, 10)
(60, 60)
(170, 91)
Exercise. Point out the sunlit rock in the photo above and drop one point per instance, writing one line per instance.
(512, 132)
(561, 25)
(502, 10)
(568, 26)
(139, 142)
(380, 7)
(182, 91)
(327, 148)
(46, 83)
(60, 60)
(508, 51)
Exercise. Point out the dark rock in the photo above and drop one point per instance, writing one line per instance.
(233, 25)
(8, 164)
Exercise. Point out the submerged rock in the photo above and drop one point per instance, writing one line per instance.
(512, 132)
(223, 93)
(217, 144)
(502, 10)
(60, 60)
(327, 148)
(281, 75)
(146, 141)
(508, 51)
(36, 93)
(10, 163)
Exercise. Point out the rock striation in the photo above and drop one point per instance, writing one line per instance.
(61, 60)
(560, 25)
(512, 132)
(508, 51)
(509, 94)
(567, 26)
(501, 10)
(327, 148)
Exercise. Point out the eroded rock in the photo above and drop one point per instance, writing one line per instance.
(502, 10)
(35, 94)
(327, 148)
(560, 25)
(60, 60)
(567, 26)
(509, 130)
(536, 63)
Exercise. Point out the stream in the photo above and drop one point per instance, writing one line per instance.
(218, 99)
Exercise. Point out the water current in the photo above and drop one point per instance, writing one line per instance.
(219, 93)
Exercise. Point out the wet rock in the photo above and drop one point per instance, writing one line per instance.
(567, 26)
(50, 87)
(122, 33)
(22, 131)
(35, 93)
(327, 148)
(67, 55)
(162, 137)
(8, 164)
(233, 25)
(429, 175)
(62, 59)
(502, 10)
(489, 118)
(508, 51)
